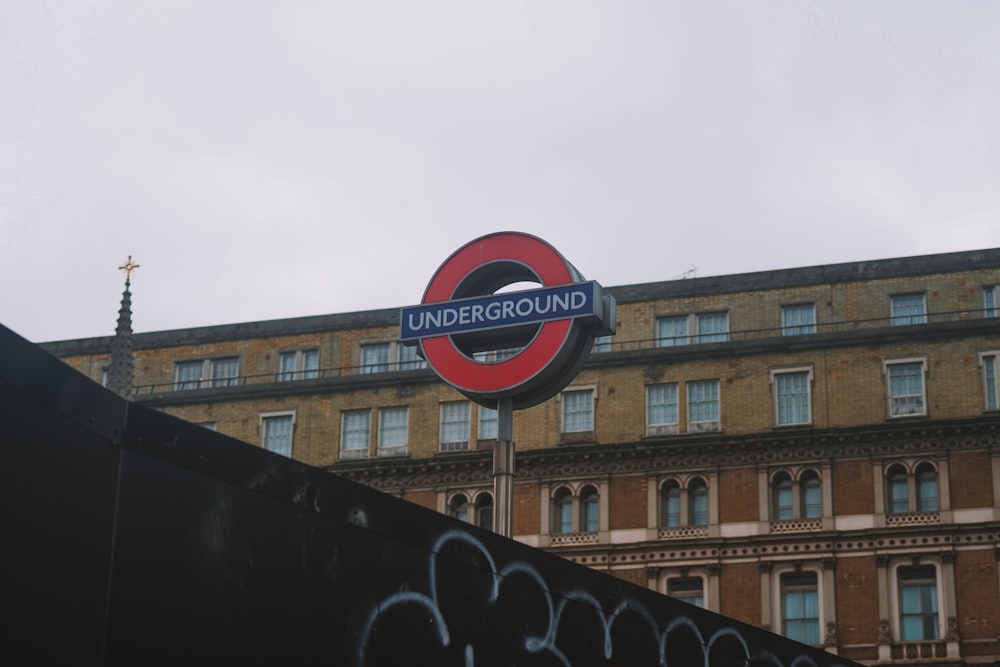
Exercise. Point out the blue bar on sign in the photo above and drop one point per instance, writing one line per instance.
(497, 311)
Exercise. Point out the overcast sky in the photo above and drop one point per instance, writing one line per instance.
(264, 160)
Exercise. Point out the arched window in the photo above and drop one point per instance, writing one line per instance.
(811, 500)
(459, 507)
(781, 497)
(927, 488)
(697, 502)
(562, 504)
(670, 504)
(484, 511)
(589, 510)
(898, 489)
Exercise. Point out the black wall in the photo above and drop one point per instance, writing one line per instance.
(133, 538)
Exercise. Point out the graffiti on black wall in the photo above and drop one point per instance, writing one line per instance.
(476, 613)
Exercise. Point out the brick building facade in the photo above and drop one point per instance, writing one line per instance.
(812, 450)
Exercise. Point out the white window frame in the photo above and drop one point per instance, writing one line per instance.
(305, 365)
(989, 362)
(207, 377)
(355, 452)
(662, 427)
(900, 413)
(798, 328)
(713, 336)
(902, 309)
(590, 413)
(914, 498)
(488, 423)
(685, 574)
(778, 597)
(895, 602)
(573, 491)
(394, 447)
(266, 418)
(991, 301)
(454, 445)
(397, 357)
(602, 344)
(673, 341)
(776, 375)
(704, 425)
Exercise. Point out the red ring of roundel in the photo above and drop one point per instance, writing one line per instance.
(490, 378)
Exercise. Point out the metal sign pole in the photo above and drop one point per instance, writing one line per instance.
(503, 467)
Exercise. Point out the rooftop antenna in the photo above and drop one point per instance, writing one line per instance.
(690, 273)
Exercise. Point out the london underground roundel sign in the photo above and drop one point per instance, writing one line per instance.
(543, 335)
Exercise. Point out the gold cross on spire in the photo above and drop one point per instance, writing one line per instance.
(128, 267)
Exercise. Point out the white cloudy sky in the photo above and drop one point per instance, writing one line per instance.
(268, 159)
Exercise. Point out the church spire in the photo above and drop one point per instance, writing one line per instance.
(122, 370)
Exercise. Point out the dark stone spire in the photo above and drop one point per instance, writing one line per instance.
(121, 373)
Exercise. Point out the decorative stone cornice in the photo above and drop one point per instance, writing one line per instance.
(683, 452)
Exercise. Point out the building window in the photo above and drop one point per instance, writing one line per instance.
(661, 409)
(782, 507)
(207, 373)
(602, 344)
(409, 358)
(918, 604)
(355, 427)
(496, 356)
(798, 319)
(713, 327)
(683, 507)
(916, 492)
(562, 515)
(672, 331)
(908, 309)
(375, 358)
(589, 509)
(276, 432)
(796, 497)
(487, 423)
(927, 488)
(385, 357)
(703, 405)
(800, 607)
(991, 384)
(458, 507)
(484, 511)
(298, 365)
(454, 426)
(393, 428)
(792, 396)
(697, 502)
(811, 495)
(707, 328)
(897, 484)
(991, 299)
(687, 589)
(578, 411)
(670, 504)
(906, 388)
(575, 511)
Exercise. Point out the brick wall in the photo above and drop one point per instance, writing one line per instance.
(739, 587)
(628, 501)
(857, 600)
(852, 487)
(738, 495)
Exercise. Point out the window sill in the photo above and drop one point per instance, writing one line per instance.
(682, 532)
(565, 539)
(578, 438)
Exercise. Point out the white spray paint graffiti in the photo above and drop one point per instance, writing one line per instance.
(553, 608)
